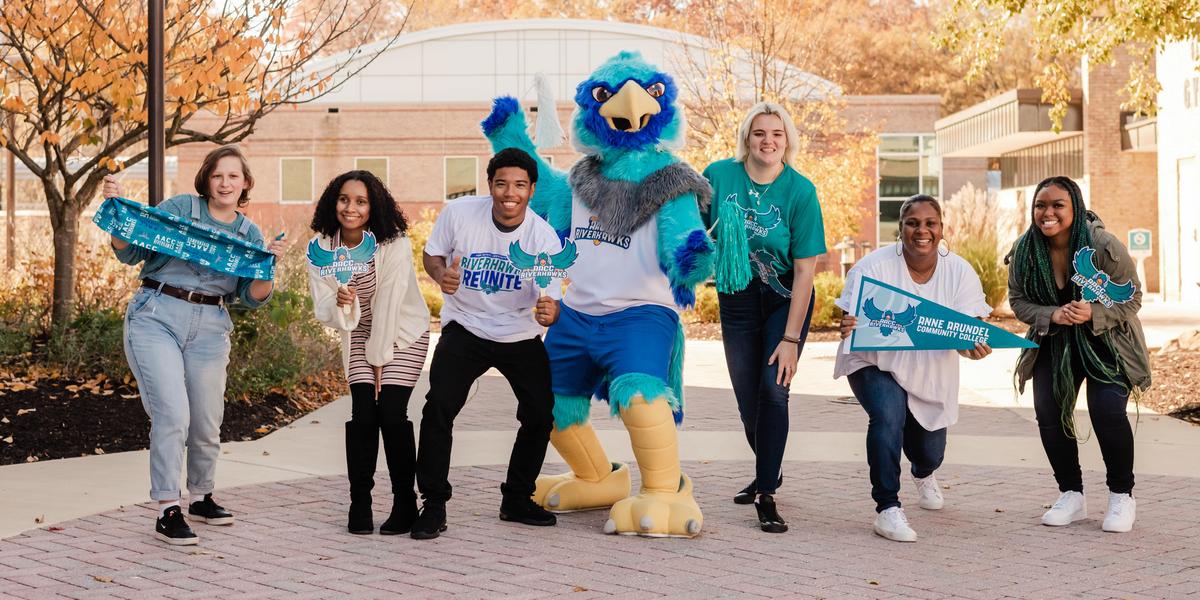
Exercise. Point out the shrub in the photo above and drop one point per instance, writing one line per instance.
(971, 223)
(91, 344)
(706, 309)
(828, 287)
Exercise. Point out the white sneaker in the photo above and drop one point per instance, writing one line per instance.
(930, 493)
(893, 525)
(1122, 509)
(1070, 507)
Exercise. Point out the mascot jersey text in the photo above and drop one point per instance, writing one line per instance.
(633, 211)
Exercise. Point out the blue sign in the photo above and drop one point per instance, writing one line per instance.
(544, 266)
(890, 318)
(1095, 285)
(155, 229)
(342, 262)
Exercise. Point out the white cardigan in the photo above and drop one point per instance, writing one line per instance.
(398, 312)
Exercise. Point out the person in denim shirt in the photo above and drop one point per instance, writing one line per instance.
(177, 342)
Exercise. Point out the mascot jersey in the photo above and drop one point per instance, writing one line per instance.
(614, 272)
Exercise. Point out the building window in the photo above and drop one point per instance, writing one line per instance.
(376, 166)
(907, 165)
(1029, 166)
(461, 176)
(295, 180)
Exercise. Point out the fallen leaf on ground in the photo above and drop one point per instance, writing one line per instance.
(31, 459)
(873, 582)
(25, 411)
(39, 519)
(261, 430)
(999, 510)
(579, 588)
(99, 450)
(6, 421)
(265, 453)
(313, 422)
(102, 578)
(8, 440)
(54, 528)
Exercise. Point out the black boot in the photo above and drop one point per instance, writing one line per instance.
(362, 450)
(400, 450)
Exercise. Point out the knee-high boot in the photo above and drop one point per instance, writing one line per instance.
(362, 450)
(400, 450)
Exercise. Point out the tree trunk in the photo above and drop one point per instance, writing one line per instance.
(66, 239)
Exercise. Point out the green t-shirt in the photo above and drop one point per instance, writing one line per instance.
(783, 218)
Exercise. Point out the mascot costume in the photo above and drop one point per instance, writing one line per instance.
(632, 209)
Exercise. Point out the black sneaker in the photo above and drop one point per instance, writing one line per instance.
(746, 496)
(431, 522)
(172, 529)
(768, 517)
(210, 512)
(523, 509)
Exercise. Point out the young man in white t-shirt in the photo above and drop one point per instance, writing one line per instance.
(491, 318)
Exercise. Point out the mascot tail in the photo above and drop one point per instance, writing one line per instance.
(675, 373)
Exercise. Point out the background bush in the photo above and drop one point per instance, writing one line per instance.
(706, 309)
(828, 287)
(972, 223)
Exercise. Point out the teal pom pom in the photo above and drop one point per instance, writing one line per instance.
(733, 250)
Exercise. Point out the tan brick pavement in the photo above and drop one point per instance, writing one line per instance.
(289, 542)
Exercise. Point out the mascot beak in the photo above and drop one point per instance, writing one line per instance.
(630, 109)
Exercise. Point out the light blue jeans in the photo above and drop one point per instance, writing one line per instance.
(178, 352)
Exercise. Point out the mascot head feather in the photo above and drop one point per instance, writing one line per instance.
(627, 104)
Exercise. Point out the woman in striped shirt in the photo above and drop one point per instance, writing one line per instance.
(385, 335)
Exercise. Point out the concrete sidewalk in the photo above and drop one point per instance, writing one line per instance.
(289, 492)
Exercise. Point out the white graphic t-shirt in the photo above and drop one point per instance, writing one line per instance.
(929, 376)
(492, 301)
(612, 272)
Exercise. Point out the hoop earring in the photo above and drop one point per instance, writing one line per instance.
(943, 245)
(899, 247)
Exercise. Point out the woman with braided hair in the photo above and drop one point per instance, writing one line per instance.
(1099, 341)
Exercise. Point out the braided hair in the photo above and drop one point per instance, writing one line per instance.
(1032, 257)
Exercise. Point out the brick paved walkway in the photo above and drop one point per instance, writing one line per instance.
(290, 543)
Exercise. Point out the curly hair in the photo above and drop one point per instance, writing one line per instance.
(386, 220)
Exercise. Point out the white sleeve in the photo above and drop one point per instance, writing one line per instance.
(850, 291)
(441, 239)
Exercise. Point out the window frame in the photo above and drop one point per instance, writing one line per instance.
(446, 175)
(312, 179)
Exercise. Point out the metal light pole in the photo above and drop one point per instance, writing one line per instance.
(154, 99)
(10, 199)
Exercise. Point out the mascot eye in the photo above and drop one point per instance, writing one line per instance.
(656, 90)
(601, 93)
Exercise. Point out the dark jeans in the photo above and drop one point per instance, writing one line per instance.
(890, 429)
(1106, 405)
(459, 359)
(752, 324)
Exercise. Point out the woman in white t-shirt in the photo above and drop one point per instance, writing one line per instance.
(910, 396)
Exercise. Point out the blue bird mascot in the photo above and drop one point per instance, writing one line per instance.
(632, 209)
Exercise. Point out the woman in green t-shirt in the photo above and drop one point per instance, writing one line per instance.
(767, 223)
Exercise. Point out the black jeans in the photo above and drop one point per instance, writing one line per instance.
(752, 324)
(893, 428)
(1106, 405)
(459, 359)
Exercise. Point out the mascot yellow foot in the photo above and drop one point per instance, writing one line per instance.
(665, 506)
(593, 482)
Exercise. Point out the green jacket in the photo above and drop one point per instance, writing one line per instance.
(1113, 258)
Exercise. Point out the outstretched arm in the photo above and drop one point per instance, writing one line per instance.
(505, 127)
(684, 249)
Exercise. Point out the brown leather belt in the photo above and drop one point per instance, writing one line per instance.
(182, 294)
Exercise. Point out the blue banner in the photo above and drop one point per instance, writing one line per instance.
(179, 237)
(890, 318)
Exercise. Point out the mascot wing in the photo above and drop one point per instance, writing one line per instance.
(1084, 265)
(1120, 292)
(871, 310)
(520, 258)
(566, 258)
(907, 317)
(505, 127)
(318, 256)
(365, 249)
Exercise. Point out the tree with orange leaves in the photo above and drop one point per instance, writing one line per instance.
(73, 73)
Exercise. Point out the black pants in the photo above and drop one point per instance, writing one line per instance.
(391, 407)
(459, 359)
(1106, 405)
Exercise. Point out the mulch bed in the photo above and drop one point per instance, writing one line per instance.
(45, 417)
(1175, 385)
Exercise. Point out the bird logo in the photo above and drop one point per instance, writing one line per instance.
(1096, 285)
(888, 321)
(342, 262)
(543, 266)
(761, 223)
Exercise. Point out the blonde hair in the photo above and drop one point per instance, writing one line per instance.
(789, 131)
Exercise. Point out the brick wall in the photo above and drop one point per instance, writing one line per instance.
(1122, 185)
